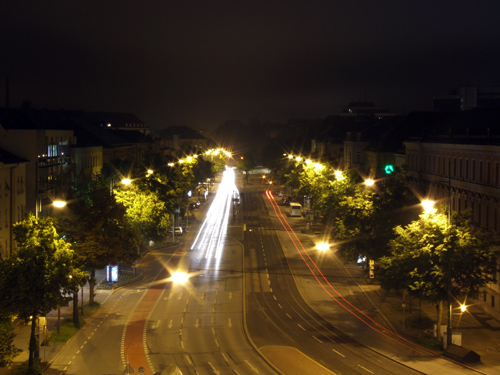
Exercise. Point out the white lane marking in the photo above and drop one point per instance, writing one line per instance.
(339, 353)
(302, 328)
(318, 340)
(252, 367)
(364, 368)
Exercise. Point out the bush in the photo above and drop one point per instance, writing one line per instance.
(66, 331)
(419, 321)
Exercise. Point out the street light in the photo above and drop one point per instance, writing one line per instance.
(59, 204)
(322, 246)
(179, 277)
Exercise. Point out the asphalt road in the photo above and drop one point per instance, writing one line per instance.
(277, 313)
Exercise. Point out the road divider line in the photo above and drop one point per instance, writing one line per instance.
(318, 340)
(339, 353)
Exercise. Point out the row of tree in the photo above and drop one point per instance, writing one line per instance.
(426, 255)
(104, 223)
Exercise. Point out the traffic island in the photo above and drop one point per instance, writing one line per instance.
(461, 354)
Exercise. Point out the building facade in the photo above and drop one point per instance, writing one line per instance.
(464, 175)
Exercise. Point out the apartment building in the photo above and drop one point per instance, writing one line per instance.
(12, 198)
(457, 161)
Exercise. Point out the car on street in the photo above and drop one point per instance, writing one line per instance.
(177, 231)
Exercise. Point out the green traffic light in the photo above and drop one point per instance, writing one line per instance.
(389, 169)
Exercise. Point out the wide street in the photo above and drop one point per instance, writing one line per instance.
(258, 300)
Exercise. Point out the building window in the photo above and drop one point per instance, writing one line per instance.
(480, 178)
(488, 172)
(467, 169)
(496, 174)
(473, 172)
(455, 167)
(460, 170)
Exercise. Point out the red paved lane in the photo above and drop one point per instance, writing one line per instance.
(134, 346)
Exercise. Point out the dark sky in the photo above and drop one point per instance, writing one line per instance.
(198, 63)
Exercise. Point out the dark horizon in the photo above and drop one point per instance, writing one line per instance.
(202, 64)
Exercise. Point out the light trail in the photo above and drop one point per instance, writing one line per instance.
(344, 303)
(210, 238)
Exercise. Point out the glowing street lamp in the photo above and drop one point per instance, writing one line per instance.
(179, 277)
(322, 246)
(126, 181)
(429, 206)
(369, 182)
(59, 204)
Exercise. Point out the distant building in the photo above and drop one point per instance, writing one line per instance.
(365, 109)
(468, 97)
(12, 198)
(456, 160)
(58, 143)
(182, 139)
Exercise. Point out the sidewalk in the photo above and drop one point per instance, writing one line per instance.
(50, 349)
(479, 328)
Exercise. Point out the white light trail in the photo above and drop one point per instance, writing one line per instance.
(210, 238)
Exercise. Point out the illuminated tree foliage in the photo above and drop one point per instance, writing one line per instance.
(145, 209)
(38, 277)
(429, 255)
(99, 229)
(7, 349)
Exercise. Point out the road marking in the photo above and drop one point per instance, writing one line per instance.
(213, 368)
(339, 353)
(252, 367)
(281, 307)
(180, 296)
(230, 295)
(203, 295)
(225, 357)
(188, 359)
(318, 340)
(271, 290)
(364, 368)
(182, 344)
(197, 324)
(302, 328)
(275, 297)
(230, 324)
(170, 325)
(288, 315)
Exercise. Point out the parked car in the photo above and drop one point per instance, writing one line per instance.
(177, 231)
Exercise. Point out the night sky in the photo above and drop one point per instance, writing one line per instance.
(199, 63)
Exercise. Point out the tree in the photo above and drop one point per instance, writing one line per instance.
(7, 349)
(38, 277)
(203, 169)
(246, 164)
(431, 255)
(146, 211)
(99, 229)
